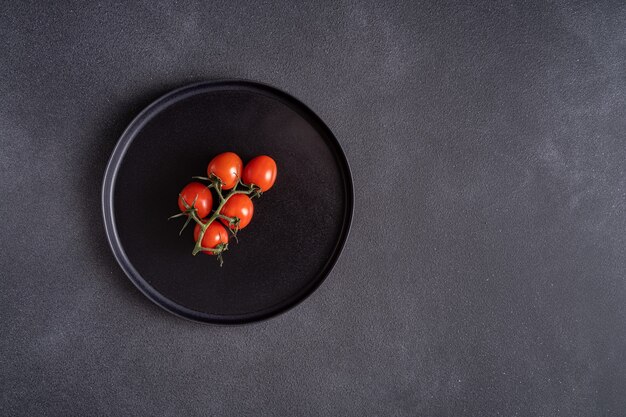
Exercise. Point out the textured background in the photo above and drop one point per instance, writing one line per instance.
(485, 270)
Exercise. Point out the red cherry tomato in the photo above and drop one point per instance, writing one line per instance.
(227, 166)
(260, 171)
(239, 206)
(202, 196)
(213, 236)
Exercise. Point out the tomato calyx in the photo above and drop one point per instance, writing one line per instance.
(233, 225)
(190, 211)
(197, 177)
(218, 250)
(257, 192)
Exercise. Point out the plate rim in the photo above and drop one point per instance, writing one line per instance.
(107, 198)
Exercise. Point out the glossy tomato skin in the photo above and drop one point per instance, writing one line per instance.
(202, 195)
(240, 206)
(227, 166)
(260, 171)
(214, 235)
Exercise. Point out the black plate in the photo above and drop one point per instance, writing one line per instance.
(299, 226)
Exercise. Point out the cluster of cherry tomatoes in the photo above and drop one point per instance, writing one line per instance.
(234, 210)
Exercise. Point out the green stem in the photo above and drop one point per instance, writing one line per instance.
(228, 219)
(216, 214)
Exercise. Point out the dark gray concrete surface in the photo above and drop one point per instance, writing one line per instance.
(485, 270)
